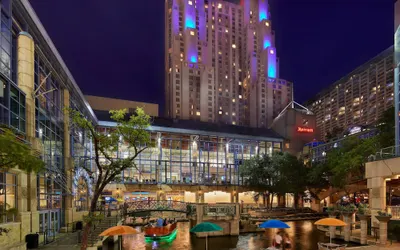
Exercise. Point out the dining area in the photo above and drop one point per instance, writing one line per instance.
(331, 222)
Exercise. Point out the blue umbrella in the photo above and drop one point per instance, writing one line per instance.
(274, 224)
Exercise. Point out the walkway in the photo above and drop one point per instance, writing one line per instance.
(64, 241)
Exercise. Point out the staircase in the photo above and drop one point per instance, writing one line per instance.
(99, 227)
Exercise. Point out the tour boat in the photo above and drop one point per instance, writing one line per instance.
(167, 233)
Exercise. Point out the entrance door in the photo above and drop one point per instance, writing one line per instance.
(49, 222)
(54, 221)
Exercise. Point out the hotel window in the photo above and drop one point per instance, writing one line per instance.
(8, 194)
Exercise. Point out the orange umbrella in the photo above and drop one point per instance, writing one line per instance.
(332, 222)
(119, 230)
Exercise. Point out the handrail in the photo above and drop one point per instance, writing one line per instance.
(394, 211)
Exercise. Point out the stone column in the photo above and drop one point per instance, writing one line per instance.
(383, 221)
(377, 198)
(234, 197)
(364, 228)
(68, 163)
(26, 82)
(347, 219)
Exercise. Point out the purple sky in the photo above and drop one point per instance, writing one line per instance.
(116, 48)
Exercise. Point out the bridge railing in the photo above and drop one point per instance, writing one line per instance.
(154, 205)
(394, 211)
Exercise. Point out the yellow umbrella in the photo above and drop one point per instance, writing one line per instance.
(119, 230)
(332, 222)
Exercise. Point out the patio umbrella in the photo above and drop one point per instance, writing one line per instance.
(119, 230)
(332, 222)
(205, 227)
(274, 224)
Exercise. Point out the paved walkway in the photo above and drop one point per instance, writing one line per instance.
(64, 241)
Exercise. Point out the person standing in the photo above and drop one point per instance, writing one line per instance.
(277, 243)
(287, 244)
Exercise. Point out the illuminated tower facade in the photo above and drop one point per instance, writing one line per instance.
(221, 63)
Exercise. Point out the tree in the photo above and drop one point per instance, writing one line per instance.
(347, 163)
(279, 174)
(293, 174)
(258, 172)
(130, 130)
(14, 153)
(386, 129)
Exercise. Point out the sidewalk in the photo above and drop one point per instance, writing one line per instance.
(64, 241)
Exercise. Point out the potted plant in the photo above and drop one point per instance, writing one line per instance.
(383, 216)
(348, 210)
(363, 212)
(332, 211)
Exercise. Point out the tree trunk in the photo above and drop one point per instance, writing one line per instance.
(88, 225)
(272, 200)
(296, 200)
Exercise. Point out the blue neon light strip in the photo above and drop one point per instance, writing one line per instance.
(189, 22)
(193, 59)
(267, 43)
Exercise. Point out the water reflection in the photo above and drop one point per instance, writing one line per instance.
(303, 234)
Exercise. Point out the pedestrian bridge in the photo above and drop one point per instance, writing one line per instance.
(154, 205)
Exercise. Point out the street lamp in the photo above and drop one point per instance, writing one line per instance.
(324, 154)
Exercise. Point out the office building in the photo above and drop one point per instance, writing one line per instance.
(359, 98)
(221, 63)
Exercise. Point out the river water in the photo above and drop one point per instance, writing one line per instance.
(303, 234)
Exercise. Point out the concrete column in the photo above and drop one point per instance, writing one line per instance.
(68, 162)
(383, 232)
(347, 220)
(234, 197)
(377, 186)
(201, 197)
(364, 231)
(26, 82)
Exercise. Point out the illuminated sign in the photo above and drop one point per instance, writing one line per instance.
(354, 130)
(305, 130)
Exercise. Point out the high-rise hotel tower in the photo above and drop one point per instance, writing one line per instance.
(221, 63)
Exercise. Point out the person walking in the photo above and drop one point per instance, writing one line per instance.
(277, 243)
(287, 244)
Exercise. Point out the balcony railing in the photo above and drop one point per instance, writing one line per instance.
(385, 153)
(394, 211)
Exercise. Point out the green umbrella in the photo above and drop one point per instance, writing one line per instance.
(205, 227)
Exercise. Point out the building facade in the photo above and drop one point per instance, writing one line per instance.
(221, 63)
(191, 158)
(359, 98)
(36, 86)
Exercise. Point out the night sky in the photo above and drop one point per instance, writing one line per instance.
(116, 48)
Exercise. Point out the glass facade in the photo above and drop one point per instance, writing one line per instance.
(5, 39)
(49, 129)
(192, 159)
